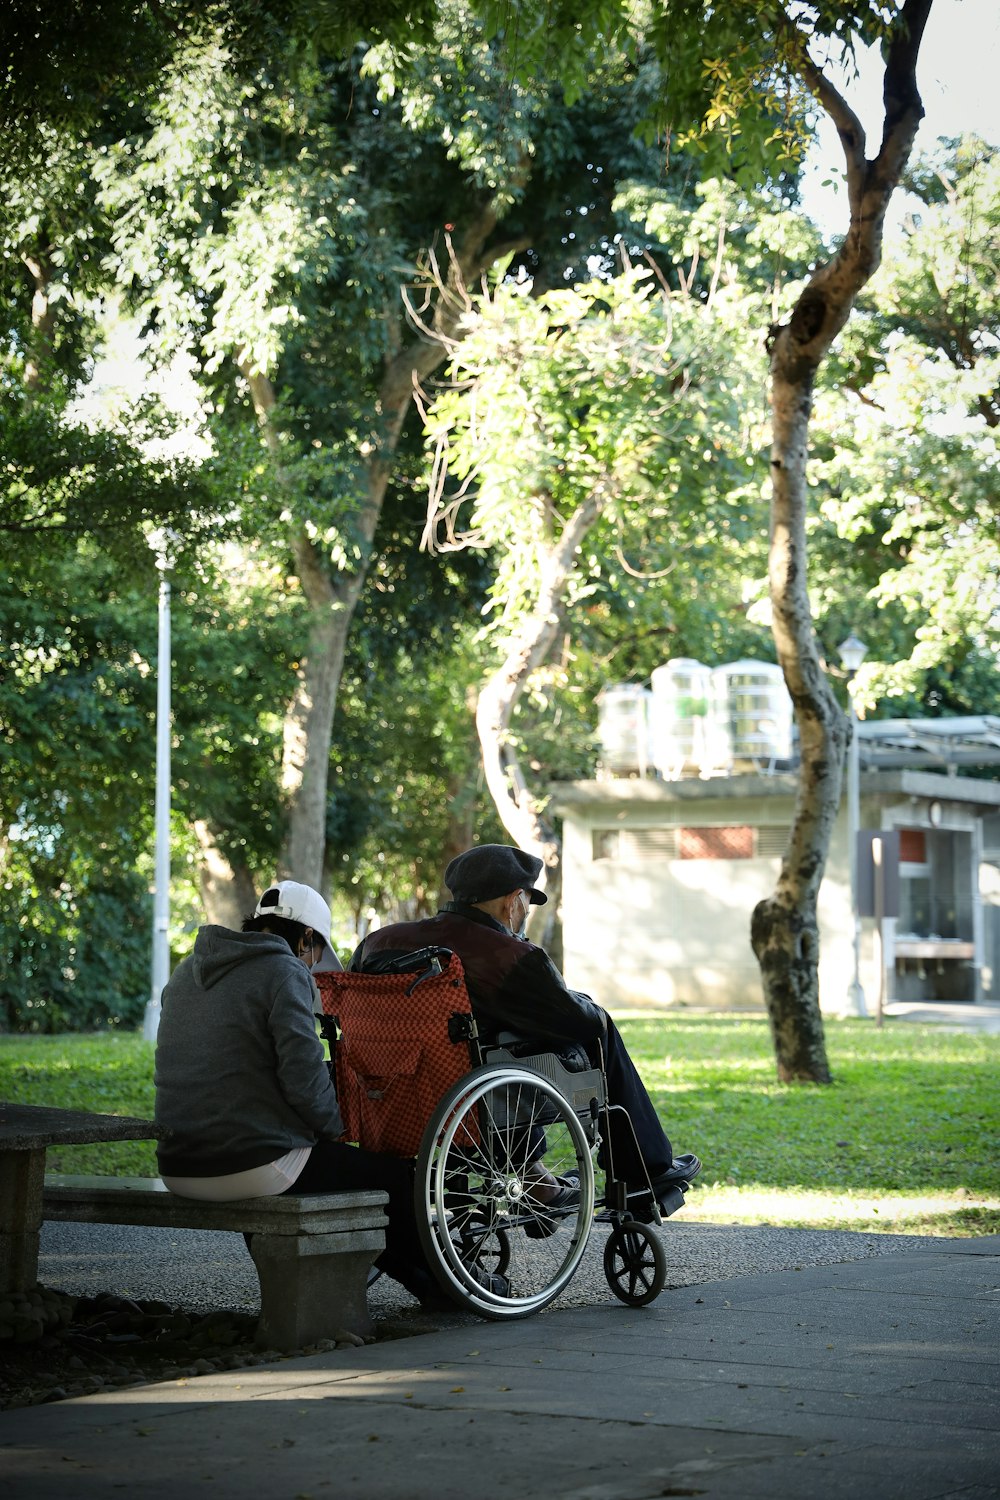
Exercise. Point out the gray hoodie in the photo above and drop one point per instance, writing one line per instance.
(241, 1076)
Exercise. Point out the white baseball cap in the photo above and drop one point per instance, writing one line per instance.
(300, 903)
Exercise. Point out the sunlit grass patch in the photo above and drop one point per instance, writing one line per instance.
(905, 1138)
(955, 1213)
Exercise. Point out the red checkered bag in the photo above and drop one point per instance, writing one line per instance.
(393, 1056)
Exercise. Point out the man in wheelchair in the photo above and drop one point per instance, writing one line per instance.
(515, 988)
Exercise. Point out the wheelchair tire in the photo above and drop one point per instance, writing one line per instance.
(635, 1263)
(470, 1182)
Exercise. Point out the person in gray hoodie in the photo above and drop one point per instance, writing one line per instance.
(243, 1091)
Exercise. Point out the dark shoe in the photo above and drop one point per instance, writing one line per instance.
(669, 1188)
(682, 1169)
(490, 1281)
(434, 1301)
(546, 1216)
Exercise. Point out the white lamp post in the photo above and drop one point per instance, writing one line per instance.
(852, 654)
(164, 544)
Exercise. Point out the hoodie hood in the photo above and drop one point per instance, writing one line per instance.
(219, 950)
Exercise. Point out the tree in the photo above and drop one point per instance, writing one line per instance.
(784, 928)
(737, 76)
(290, 281)
(311, 234)
(578, 412)
(61, 63)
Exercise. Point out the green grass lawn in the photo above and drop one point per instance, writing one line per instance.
(905, 1139)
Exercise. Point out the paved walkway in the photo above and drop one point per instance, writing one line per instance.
(870, 1377)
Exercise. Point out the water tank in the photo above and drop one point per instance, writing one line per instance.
(679, 716)
(623, 729)
(751, 716)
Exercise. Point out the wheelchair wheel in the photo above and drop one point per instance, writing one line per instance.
(635, 1263)
(471, 1188)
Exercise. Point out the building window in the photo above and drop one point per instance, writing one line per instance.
(734, 841)
(715, 843)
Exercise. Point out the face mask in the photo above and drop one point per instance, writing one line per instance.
(521, 931)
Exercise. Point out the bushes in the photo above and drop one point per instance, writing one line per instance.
(78, 946)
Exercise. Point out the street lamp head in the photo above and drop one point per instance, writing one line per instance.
(852, 653)
(165, 544)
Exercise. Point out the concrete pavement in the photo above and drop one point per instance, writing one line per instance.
(862, 1377)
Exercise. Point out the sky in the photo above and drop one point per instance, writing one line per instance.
(958, 72)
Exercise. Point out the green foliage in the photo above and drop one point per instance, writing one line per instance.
(262, 193)
(61, 476)
(75, 930)
(730, 87)
(405, 760)
(908, 456)
(648, 399)
(61, 62)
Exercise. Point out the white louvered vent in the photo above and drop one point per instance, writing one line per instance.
(649, 843)
(631, 845)
(771, 842)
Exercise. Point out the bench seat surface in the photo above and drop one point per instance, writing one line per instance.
(145, 1200)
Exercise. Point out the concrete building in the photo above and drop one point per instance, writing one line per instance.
(660, 877)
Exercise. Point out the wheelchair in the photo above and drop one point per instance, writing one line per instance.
(478, 1120)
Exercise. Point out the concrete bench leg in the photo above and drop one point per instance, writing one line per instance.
(313, 1286)
(22, 1174)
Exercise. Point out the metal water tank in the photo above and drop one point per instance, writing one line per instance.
(751, 720)
(678, 717)
(623, 729)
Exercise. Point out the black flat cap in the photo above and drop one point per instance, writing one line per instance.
(491, 870)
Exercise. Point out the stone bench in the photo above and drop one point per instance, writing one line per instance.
(312, 1252)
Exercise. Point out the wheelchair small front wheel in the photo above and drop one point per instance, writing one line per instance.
(493, 1247)
(635, 1263)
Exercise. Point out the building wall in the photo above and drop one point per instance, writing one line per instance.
(645, 926)
(642, 927)
(989, 890)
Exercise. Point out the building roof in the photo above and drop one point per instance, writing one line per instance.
(932, 743)
(649, 792)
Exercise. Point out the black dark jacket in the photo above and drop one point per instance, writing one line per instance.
(513, 985)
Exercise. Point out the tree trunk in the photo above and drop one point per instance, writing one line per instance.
(331, 595)
(784, 927)
(38, 362)
(227, 891)
(520, 812)
(462, 800)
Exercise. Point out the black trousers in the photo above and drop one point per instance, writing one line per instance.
(626, 1088)
(335, 1167)
(639, 1144)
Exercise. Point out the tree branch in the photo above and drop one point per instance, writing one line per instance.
(849, 127)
